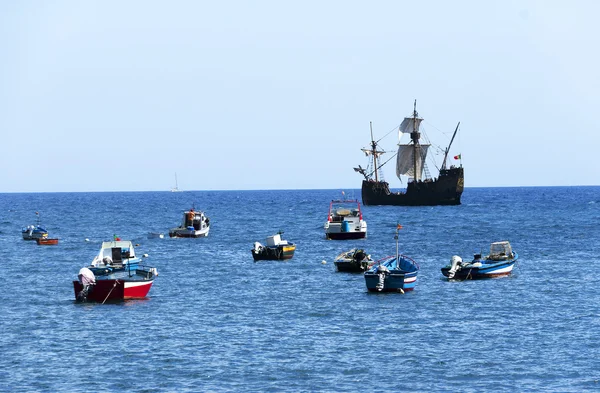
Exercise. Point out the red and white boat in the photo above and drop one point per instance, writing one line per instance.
(114, 274)
(345, 220)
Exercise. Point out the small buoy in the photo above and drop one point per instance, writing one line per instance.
(137, 244)
(323, 262)
(87, 240)
(145, 255)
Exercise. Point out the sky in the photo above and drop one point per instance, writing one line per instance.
(243, 95)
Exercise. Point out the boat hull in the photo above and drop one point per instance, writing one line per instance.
(278, 253)
(44, 241)
(394, 282)
(34, 235)
(345, 235)
(351, 266)
(485, 271)
(115, 289)
(447, 189)
(188, 233)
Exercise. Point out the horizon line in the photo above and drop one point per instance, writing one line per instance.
(270, 189)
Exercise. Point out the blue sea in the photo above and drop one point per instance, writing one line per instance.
(216, 321)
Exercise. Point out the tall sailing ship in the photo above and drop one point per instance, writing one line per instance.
(421, 189)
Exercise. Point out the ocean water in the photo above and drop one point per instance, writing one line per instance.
(217, 321)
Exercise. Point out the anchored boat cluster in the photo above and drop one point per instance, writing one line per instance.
(117, 273)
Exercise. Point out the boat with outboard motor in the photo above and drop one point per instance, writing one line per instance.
(345, 220)
(396, 273)
(355, 260)
(421, 188)
(33, 232)
(194, 224)
(500, 262)
(276, 249)
(116, 273)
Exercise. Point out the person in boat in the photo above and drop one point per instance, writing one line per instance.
(359, 255)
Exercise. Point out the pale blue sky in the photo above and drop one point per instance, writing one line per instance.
(120, 95)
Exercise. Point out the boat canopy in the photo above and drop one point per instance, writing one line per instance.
(124, 245)
(500, 249)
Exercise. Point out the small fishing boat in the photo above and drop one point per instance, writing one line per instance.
(276, 249)
(46, 241)
(33, 232)
(345, 220)
(194, 224)
(116, 273)
(499, 262)
(392, 274)
(353, 261)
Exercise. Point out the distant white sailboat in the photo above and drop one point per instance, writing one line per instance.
(175, 189)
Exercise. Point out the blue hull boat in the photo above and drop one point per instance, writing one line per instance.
(392, 274)
(500, 262)
(32, 232)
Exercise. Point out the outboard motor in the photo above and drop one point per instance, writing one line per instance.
(88, 280)
(382, 271)
(358, 256)
(455, 265)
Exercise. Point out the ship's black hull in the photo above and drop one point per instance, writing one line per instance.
(445, 190)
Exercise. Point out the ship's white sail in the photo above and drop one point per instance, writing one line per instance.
(405, 164)
(408, 125)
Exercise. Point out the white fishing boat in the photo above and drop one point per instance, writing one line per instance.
(345, 220)
(194, 224)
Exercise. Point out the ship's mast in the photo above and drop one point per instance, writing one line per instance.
(414, 136)
(448, 148)
(374, 152)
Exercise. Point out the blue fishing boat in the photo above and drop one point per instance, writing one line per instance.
(392, 274)
(34, 232)
(500, 262)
